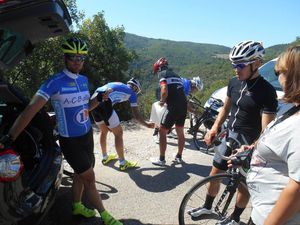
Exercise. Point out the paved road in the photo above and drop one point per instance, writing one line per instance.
(147, 195)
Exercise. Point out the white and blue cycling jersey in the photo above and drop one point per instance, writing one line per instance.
(120, 93)
(69, 94)
(186, 86)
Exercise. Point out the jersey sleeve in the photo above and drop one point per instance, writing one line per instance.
(270, 103)
(163, 82)
(133, 99)
(48, 88)
(229, 88)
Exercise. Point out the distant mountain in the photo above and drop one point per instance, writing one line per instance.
(188, 59)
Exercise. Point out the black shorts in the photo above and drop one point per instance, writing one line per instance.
(170, 118)
(79, 151)
(218, 162)
(103, 112)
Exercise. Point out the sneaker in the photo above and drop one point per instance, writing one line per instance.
(108, 219)
(178, 160)
(109, 158)
(158, 162)
(227, 221)
(156, 138)
(80, 209)
(127, 165)
(195, 212)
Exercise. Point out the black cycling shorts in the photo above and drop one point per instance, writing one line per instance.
(103, 112)
(170, 118)
(218, 162)
(79, 151)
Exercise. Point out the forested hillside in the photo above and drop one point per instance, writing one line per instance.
(188, 59)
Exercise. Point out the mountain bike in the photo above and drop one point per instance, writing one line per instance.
(224, 201)
(202, 120)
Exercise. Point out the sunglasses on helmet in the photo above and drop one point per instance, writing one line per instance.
(241, 65)
(76, 58)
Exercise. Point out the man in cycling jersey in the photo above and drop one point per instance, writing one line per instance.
(69, 94)
(252, 103)
(171, 94)
(191, 86)
(107, 119)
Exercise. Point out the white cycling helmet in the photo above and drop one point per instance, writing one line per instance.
(247, 51)
(136, 85)
(198, 83)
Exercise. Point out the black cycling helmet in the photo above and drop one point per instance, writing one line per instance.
(74, 46)
(136, 86)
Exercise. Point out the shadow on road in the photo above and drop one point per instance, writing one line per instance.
(166, 178)
(61, 211)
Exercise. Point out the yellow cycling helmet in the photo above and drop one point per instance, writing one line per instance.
(74, 46)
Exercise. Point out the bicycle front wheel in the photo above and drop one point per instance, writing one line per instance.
(222, 207)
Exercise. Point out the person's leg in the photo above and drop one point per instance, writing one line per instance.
(103, 136)
(119, 144)
(241, 203)
(77, 188)
(162, 142)
(87, 179)
(212, 191)
(181, 139)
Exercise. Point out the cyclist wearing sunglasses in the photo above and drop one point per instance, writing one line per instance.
(69, 94)
(251, 103)
(107, 119)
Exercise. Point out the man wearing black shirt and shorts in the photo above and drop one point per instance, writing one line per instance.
(171, 94)
(252, 103)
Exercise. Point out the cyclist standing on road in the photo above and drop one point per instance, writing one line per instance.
(69, 94)
(107, 119)
(191, 86)
(172, 94)
(251, 102)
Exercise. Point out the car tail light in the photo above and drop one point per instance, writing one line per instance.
(10, 165)
(2, 1)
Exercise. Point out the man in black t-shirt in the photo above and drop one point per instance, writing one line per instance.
(252, 104)
(171, 94)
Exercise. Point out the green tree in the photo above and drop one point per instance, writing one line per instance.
(108, 58)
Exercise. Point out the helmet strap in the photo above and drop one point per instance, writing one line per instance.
(253, 72)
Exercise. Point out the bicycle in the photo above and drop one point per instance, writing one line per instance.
(223, 205)
(202, 120)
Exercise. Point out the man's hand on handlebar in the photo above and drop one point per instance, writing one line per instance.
(242, 157)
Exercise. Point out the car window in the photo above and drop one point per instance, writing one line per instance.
(267, 71)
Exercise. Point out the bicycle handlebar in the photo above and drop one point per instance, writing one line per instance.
(239, 159)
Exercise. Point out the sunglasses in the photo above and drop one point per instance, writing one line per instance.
(277, 73)
(241, 65)
(76, 58)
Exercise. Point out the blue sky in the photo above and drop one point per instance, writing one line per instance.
(223, 22)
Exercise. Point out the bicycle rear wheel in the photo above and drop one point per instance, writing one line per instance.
(195, 198)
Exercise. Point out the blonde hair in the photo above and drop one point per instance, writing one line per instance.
(288, 63)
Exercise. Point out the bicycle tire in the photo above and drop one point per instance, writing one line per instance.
(195, 197)
(198, 139)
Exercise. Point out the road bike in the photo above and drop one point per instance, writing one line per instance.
(203, 120)
(224, 201)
